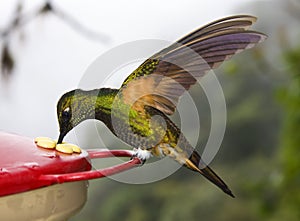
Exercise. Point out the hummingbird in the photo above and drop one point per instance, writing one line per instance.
(137, 112)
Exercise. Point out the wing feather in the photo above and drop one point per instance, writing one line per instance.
(164, 77)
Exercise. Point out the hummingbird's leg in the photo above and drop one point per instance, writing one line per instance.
(143, 155)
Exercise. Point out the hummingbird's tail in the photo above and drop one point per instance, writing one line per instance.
(195, 163)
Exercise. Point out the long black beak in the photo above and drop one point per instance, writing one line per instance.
(61, 137)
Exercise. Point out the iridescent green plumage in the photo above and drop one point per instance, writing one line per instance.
(145, 69)
(137, 112)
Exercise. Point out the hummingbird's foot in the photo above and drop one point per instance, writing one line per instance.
(143, 155)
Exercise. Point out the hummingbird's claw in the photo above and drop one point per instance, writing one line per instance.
(142, 161)
(143, 155)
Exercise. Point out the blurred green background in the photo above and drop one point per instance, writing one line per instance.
(259, 156)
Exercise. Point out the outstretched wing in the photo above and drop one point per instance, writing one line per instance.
(165, 76)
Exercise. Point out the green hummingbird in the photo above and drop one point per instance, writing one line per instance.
(137, 112)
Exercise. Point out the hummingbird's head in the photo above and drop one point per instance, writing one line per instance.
(71, 110)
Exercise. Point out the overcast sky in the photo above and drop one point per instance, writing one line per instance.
(53, 57)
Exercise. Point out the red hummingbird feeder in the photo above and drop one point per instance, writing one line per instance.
(28, 175)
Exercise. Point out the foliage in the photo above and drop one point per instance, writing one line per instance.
(289, 151)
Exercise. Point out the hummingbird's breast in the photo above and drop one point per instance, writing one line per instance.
(155, 132)
(132, 133)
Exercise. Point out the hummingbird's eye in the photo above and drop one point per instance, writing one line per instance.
(66, 113)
